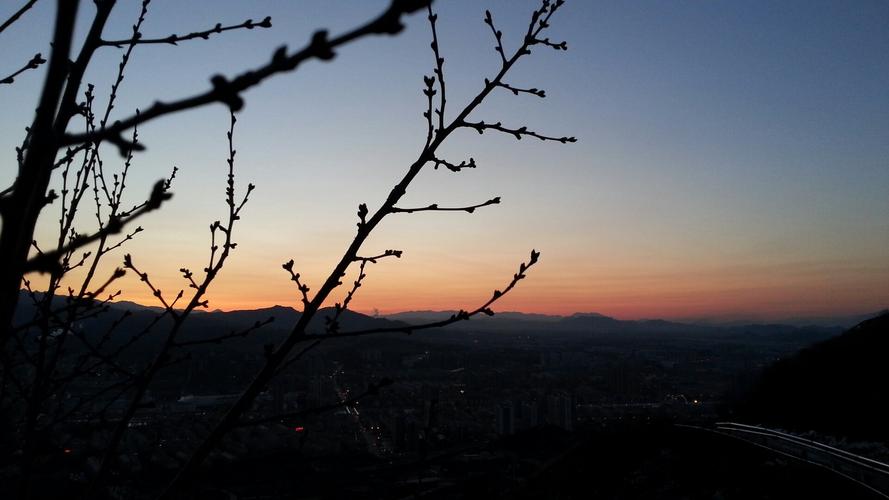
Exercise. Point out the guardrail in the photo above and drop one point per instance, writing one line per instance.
(866, 472)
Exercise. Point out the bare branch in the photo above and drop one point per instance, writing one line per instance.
(232, 335)
(439, 67)
(17, 14)
(295, 277)
(175, 39)
(70, 153)
(228, 91)
(125, 239)
(480, 127)
(333, 323)
(34, 63)
(429, 92)
(167, 184)
(128, 263)
(50, 260)
(459, 316)
(453, 167)
(435, 208)
(388, 253)
(161, 359)
(516, 91)
(297, 356)
(105, 359)
(555, 45)
(116, 275)
(280, 353)
(489, 20)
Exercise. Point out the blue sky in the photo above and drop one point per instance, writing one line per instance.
(732, 160)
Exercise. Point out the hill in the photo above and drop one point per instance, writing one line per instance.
(836, 386)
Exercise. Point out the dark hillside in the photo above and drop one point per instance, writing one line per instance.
(837, 386)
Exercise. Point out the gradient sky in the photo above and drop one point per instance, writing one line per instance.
(733, 157)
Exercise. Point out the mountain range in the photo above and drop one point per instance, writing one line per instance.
(205, 324)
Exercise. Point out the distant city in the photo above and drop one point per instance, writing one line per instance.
(451, 393)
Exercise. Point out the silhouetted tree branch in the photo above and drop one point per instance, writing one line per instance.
(435, 208)
(453, 167)
(520, 132)
(174, 39)
(21, 203)
(222, 338)
(517, 91)
(219, 253)
(367, 222)
(16, 15)
(48, 261)
(454, 318)
(37, 358)
(33, 63)
(228, 91)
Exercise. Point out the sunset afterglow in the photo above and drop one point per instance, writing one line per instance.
(712, 178)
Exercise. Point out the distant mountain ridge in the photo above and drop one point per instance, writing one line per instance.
(210, 323)
(604, 321)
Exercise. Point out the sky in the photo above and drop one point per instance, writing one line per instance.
(732, 158)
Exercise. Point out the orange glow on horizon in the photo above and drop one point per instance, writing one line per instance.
(558, 285)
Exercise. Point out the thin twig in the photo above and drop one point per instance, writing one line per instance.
(232, 335)
(520, 132)
(50, 260)
(17, 14)
(34, 63)
(228, 91)
(459, 316)
(175, 39)
(516, 90)
(452, 166)
(435, 208)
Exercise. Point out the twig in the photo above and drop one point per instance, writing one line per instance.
(451, 166)
(459, 316)
(34, 63)
(128, 263)
(50, 260)
(221, 338)
(228, 91)
(297, 356)
(175, 39)
(480, 127)
(439, 68)
(333, 323)
(516, 91)
(17, 14)
(277, 355)
(435, 208)
(388, 253)
(489, 20)
(295, 277)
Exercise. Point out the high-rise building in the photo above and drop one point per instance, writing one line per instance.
(505, 419)
(560, 411)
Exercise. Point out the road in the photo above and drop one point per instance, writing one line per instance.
(866, 472)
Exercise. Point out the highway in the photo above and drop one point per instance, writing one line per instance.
(866, 472)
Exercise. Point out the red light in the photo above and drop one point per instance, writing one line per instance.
(299, 428)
